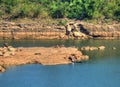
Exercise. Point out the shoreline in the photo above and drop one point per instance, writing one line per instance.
(41, 55)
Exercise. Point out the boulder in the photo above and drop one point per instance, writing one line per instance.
(76, 27)
(78, 34)
(10, 48)
(7, 51)
(68, 28)
(1, 53)
(114, 48)
(78, 57)
(85, 58)
(101, 47)
(2, 69)
(88, 48)
(72, 58)
(93, 48)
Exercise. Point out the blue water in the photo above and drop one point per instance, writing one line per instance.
(102, 70)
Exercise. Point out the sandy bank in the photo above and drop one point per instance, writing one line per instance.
(42, 55)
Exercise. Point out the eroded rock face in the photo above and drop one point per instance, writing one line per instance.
(53, 31)
(74, 30)
(33, 30)
(99, 31)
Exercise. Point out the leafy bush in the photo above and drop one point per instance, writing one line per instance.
(61, 22)
(80, 9)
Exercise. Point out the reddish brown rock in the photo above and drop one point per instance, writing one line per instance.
(43, 55)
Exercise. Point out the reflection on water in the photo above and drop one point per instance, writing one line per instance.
(102, 70)
(47, 43)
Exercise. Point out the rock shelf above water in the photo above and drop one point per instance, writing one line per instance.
(74, 29)
(42, 55)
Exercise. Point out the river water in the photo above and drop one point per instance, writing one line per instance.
(102, 70)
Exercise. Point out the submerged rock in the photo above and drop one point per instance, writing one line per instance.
(88, 48)
(114, 48)
(101, 47)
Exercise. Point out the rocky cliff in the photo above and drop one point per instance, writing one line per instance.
(12, 30)
(73, 29)
(105, 31)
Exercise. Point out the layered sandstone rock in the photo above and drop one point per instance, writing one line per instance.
(107, 31)
(91, 30)
(73, 29)
(12, 30)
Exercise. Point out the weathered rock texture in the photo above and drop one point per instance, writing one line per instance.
(12, 30)
(105, 31)
(74, 29)
(42, 55)
(32, 35)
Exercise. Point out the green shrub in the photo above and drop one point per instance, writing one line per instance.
(62, 22)
(79, 9)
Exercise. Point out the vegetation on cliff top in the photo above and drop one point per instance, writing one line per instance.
(79, 9)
